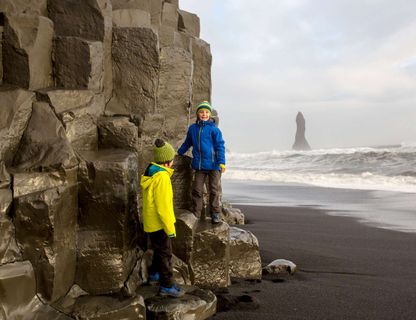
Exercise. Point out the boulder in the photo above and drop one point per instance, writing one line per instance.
(280, 266)
(119, 133)
(189, 23)
(201, 77)
(90, 20)
(130, 18)
(15, 111)
(182, 182)
(232, 215)
(45, 216)
(18, 294)
(78, 110)
(107, 219)
(175, 90)
(27, 51)
(79, 63)
(196, 304)
(24, 6)
(9, 251)
(205, 248)
(300, 140)
(245, 261)
(136, 72)
(44, 143)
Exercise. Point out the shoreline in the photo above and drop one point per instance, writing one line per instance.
(346, 270)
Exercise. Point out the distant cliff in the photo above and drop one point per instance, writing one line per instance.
(300, 140)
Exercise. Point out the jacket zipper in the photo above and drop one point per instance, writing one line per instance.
(199, 145)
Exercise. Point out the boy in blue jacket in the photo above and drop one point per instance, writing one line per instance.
(208, 159)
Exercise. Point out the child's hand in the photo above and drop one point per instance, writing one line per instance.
(222, 166)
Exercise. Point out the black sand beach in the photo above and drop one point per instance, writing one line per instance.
(346, 270)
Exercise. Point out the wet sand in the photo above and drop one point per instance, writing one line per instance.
(346, 270)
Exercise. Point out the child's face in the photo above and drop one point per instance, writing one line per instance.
(204, 114)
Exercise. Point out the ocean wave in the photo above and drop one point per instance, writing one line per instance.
(363, 181)
(384, 168)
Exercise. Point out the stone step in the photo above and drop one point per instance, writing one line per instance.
(196, 304)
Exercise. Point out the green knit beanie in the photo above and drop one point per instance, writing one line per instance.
(204, 105)
(163, 152)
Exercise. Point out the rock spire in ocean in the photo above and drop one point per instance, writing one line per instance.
(300, 140)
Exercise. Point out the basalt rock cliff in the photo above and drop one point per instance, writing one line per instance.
(86, 87)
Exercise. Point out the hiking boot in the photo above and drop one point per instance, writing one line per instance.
(173, 291)
(215, 218)
(153, 278)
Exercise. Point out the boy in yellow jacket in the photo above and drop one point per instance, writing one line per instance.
(158, 216)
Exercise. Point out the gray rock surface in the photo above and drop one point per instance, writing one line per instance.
(90, 20)
(175, 88)
(189, 23)
(300, 140)
(136, 72)
(18, 295)
(130, 18)
(201, 78)
(45, 216)
(44, 143)
(107, 220)
(15, 111)
(78, 110)
(28, 43)
(144, 5)
(245, 261)
(79, 63)
(119, 133)
(182, 182)
(24, 6)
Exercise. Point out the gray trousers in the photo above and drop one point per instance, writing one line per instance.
(214, 190)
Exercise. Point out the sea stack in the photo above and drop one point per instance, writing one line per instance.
(300, 140)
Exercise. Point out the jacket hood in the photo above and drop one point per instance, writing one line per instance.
(151, 172)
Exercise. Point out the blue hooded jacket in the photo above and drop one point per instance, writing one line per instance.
(207, 145)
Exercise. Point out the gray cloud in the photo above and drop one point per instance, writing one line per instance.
(349, 66)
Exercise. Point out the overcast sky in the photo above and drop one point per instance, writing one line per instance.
(348, 65)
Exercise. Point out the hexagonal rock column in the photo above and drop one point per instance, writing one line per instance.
(174, 93)
(136, 72)
(107, 219)
(79, 63)
(44, 143)
(27, 51)
(196, 304)
(18, 295)
(245, 261)
(14, 117)
(131, 18)
(78, 110)
(201, 77)
(182, 182)
(205, 248)
(90, 20)
(189, 23)
(45, 216)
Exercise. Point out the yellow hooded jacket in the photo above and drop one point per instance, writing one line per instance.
(157, 197)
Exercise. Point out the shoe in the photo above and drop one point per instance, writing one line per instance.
(215, 218)
(173, 291)
(153, 278)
